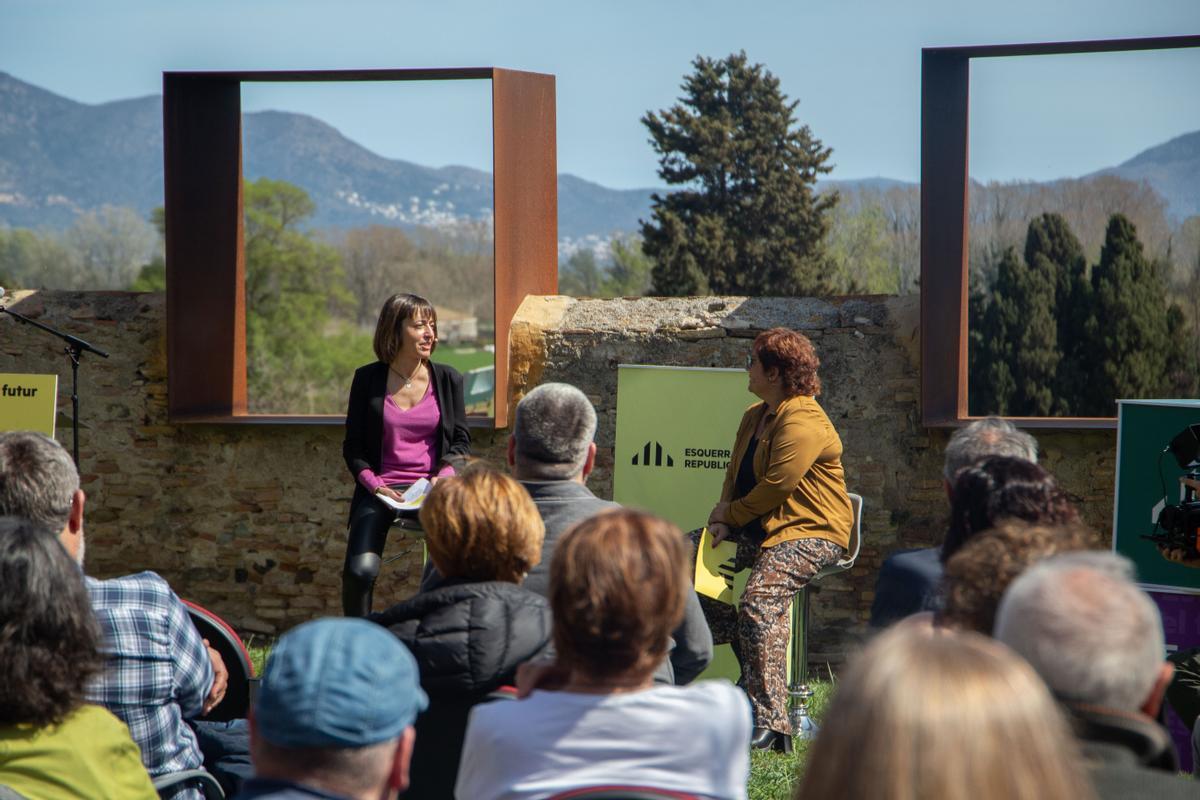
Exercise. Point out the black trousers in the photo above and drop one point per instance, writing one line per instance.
(370, 522)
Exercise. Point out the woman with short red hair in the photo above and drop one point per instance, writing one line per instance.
(784, 501)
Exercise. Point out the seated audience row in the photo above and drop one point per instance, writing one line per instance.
(53, 743)
(158, 675)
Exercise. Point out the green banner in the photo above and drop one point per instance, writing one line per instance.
(1144, 475)
(28, 402)
(675, 428)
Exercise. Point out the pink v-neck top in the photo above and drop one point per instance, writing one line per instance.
(409, 443)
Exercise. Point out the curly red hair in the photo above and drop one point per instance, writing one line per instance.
(793, 355)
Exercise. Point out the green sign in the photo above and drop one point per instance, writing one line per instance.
(28, 402)
(1148, 478)
(675, 429)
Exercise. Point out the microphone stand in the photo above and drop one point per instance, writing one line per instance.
(75, 348)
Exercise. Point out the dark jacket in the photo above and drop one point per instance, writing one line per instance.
(468, 639)
(363, 444)
(907, 584)
(562, 504)
(1129, 755)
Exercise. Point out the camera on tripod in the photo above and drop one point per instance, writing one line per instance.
(1178, 527)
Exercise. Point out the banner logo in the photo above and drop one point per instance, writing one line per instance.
(659, 459)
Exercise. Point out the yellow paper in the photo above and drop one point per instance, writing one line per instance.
(28, 402)
(715, 577)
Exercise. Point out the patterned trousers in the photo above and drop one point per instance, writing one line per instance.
(758, 629)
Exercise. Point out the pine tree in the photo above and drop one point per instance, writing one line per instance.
(1132, 344)
(746, 219)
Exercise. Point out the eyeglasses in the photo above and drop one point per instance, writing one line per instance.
(750, 361)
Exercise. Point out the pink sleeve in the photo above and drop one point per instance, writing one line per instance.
(369, 480)
(446, 471)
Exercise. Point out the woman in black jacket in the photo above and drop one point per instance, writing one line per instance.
(471, 633)
(405, 421)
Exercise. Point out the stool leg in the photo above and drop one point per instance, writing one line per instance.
(803, 726)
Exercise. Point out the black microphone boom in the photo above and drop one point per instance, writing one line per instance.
(75, 348)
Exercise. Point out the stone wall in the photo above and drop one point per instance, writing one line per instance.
(249, 519)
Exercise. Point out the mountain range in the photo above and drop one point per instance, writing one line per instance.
(59, 158)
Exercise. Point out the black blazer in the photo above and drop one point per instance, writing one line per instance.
(363, 445)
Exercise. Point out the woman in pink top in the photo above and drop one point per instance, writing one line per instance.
(405, 421)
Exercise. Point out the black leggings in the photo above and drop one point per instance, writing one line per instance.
(369, 525)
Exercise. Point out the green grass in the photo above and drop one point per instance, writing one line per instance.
(773, 776)
(463, 358)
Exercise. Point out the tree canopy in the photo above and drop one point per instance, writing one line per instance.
(746, 218)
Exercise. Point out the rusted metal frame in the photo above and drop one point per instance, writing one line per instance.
(206, 307)
(525, 202)
(945, 171)
(205, 256)
(945, 84)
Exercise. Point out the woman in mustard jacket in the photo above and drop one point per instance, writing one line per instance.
(784, 500)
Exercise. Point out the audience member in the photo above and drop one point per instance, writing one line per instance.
(469, 635)
(618, 585)
(908, 580)
(977, 575)
(158, 671)
(1097, 641)
(1000, 488)
(940, 714)
(334, 716)
(551, 452)
(52, 744)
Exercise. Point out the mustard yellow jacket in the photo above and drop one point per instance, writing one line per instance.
(801, 489)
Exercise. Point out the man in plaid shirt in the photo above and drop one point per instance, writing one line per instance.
(159, 671)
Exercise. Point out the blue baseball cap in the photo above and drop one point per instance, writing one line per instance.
(338, 683)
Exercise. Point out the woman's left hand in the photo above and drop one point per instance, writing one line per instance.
(719, 513)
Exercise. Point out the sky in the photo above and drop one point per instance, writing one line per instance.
(854, 66)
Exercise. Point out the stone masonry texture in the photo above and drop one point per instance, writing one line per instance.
(249, 519)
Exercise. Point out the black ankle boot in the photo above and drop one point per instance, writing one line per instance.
(767, 739)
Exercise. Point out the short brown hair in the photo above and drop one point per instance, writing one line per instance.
(618, 584)
(793, 355)
(482, 525)
(388, 330)
(978, 574)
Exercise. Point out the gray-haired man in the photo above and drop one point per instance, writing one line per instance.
(1096, 640)
(551, 452)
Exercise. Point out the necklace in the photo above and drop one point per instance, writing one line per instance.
(407, 381)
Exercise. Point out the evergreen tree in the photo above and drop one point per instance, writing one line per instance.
(1054, 254)
(746, 219)
(1132, 345)
(995, 380)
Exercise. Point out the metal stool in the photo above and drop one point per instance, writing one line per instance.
(803, 726)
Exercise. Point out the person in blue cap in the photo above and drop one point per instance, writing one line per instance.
(334, 716)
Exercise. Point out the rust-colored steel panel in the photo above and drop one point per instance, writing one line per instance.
(206, 319)
(206, 311)
(945, 89)
(944, 137)
(525, 164)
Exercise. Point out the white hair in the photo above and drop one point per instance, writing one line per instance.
(990, 436)
(1092, 635)
(554, 425)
